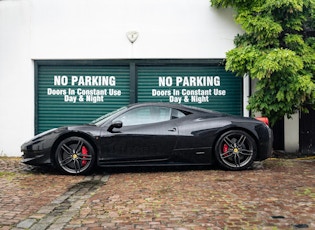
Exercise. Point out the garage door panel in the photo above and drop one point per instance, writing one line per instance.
(78, 94)
(206, 86)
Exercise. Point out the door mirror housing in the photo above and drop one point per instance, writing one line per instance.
(115, 125)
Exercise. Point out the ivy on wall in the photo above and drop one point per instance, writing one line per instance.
(277, 48)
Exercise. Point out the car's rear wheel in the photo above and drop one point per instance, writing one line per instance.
(75, 155)
(235, 150)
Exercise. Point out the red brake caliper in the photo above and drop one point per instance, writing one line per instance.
(84, 153)
(225, 149)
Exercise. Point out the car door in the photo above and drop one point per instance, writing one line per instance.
(148, 134)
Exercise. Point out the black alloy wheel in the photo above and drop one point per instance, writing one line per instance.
(235, 150)
(75, 155)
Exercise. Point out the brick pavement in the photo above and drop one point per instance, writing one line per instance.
(279, 195)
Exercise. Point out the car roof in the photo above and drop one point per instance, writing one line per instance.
(188, 108)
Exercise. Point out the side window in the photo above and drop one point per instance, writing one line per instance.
(177, 114)
(145, 115)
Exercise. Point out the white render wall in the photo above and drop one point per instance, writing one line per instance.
(96, 29)
(291, 133)
(16, 77)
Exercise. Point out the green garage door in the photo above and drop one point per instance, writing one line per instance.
(69, 95)
(76, 93)
(205, 86)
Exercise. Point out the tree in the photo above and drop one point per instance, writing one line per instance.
(277, 48)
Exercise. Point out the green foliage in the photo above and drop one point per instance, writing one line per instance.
(277, 48)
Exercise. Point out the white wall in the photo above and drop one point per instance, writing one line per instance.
(291, 133)
(16, 77)
(95, 29)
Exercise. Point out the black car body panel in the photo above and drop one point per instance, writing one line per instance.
(188, 136)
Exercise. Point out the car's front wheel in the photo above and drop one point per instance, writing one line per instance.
(235, 150)
(75, 155)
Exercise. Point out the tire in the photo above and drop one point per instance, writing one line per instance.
(235, 150)
(75, 155)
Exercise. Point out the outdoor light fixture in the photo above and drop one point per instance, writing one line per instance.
(132, 36)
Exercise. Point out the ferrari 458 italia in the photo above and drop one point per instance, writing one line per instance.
(153, 134)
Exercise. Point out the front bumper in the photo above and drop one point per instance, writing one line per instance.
(38, 150)
(36, 153)
(36, 158)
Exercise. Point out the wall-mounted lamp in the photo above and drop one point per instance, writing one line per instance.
(132, 36)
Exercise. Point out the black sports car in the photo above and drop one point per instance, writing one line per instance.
(153, 134)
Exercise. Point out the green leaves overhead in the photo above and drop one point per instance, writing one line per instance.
(277, 48)
(262, 28)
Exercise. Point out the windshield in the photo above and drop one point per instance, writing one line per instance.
(101, 120)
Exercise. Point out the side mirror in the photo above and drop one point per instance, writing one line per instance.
(116, 124)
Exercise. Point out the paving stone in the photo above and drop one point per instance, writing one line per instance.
(26, 223)
(198, 199)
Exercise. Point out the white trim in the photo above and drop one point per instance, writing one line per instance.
(246, 94)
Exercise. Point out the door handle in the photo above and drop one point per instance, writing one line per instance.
(172, 130)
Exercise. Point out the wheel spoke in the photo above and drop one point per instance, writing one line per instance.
(241, 141)
(67, 149)
(246, 152)
(66, 161)
(226, 154)
(79, 147)
(77, 166)
(229, 142)
(85, 157)
(237, 160)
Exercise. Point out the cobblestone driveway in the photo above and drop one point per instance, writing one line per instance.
(279, 195)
